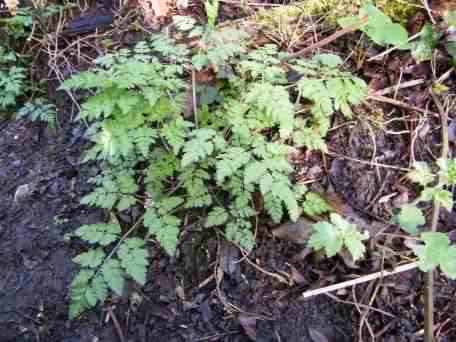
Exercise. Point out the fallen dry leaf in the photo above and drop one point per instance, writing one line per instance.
(297, 276)
(298, 232)
(317, 336)
(153, 10)
(249, 325)
(12, 6)
(443, 5)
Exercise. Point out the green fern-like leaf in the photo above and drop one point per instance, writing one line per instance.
(194, 182)
(272, 103)
(164, 228)
(240, 231)
(216, 217)
(93, 258)
(332, 236)
(199, 147)
(330, 90)
(78, 289)
(97, 292)
(314, 205)
(113, 275)
(118, 192)
(230, 161)
(133, 258)
(39, 110)
(273, 206)
(175, 133)
(100, 233)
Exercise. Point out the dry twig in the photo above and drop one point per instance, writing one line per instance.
(336, 35)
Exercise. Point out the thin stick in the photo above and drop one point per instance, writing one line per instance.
(399, 104)
(360, 280)
(366, 162)
(336, 35)
(259, 268)
(429, 276)
(116, 325)
(429, 11)
(392, 89)
(360, 305)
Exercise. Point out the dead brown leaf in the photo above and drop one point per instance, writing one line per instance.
(154, 10)
(298, 232)
(249, 325)
(12, 6)
(317, 336)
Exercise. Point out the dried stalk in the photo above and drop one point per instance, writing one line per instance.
(336, 35)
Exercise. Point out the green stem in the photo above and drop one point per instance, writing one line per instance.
(429, 277)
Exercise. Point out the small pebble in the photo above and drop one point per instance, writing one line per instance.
(23, 192)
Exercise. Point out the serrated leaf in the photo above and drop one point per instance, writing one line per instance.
(200, 147)
(78, 289)
(448, 263)
(326, 237)
(273, 207)
(332, 236)
(447, 170)
(164, 228)
(436, 251)
(409, 218)
(328, 59)
(285, 194)
(133, 257)
(266, 182)
(240, 232)
(168, 204)
(97, 292)
(93, 258)
(230, 162)
(272, 102)
(353, 241)
(216, 217)
(100, 233)
(442, 196)
(254, 172)
(314, 204)
(421, 174)
(113, 275)
(77, 306)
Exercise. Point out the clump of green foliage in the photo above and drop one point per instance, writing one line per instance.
(211, 166)
(38, 110)
(13, 76)
(15, 82)
(12, 79)
(379, 27)
(436, 250)
(332, 236)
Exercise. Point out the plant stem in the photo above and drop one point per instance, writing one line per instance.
(429, 276)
